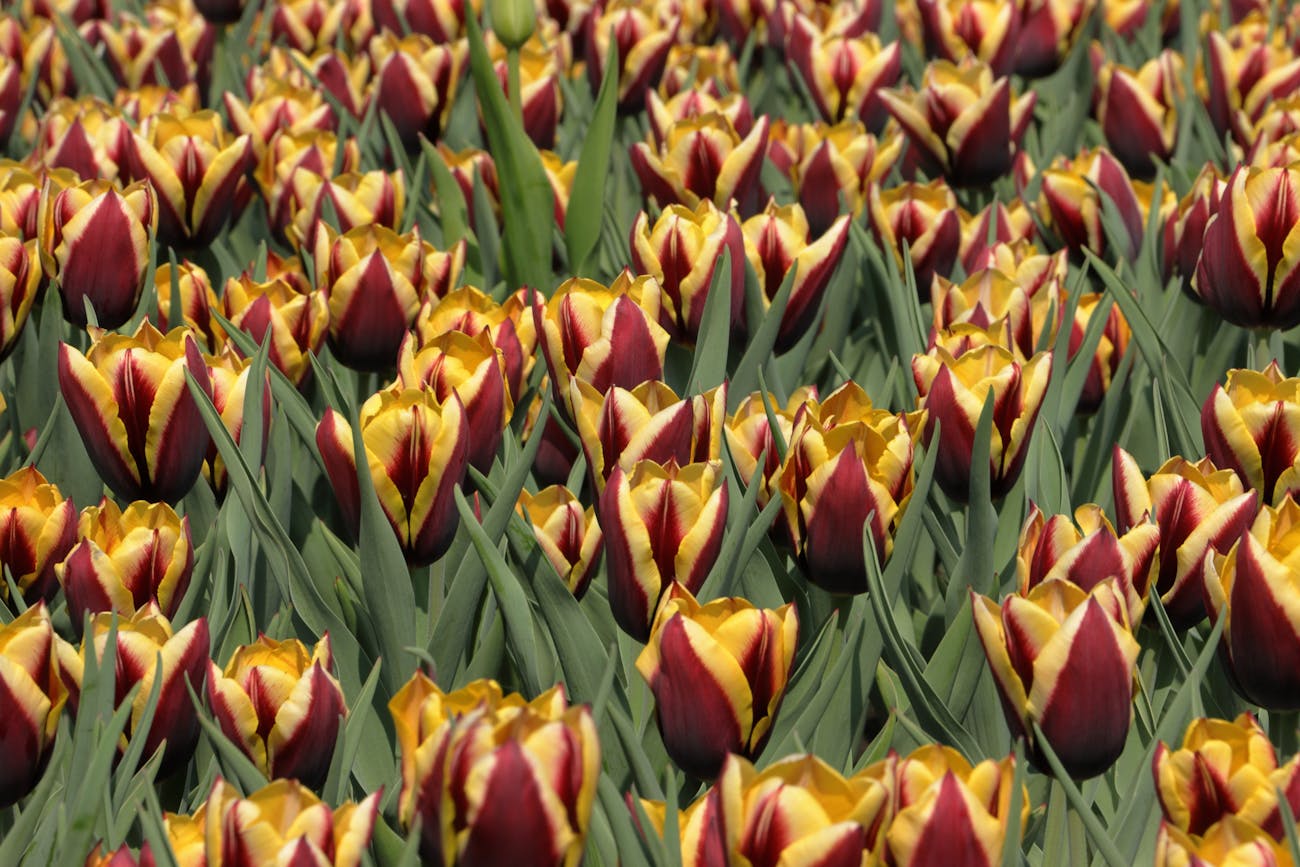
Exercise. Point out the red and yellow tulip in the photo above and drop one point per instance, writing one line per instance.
(33, 696)
(568, 535)
(38, 526)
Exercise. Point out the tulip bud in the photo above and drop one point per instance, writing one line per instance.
(845, 74)
(417, 449)
(296, 319)
(1232, 841)
(683, 251)
(84, 135)
(127, 561)
(1019, 307)
(38, 527)
(1184, 231)
(513, 21)
(1048, 31)
(286, 154)
(985, 29)
(718, 673)
(1248, 272)
(280, 704)
(962, 123)
(32, 695)
(1081, 647)
(493, 779)
(198, 301)
(358, 200)
(1247, 69)
(1138, 110)
(511, 327)
(415, 80)
(954, 390)
(662, 523)
(83, 227)
(21, 190)
(1250, 423)
(924, 216)
(644, 31)
(570, 538)
(750, 436)
(1070, 204)
(279, 106)
(132, 405)
(701, 158)
(1011, 227)
(1086, 551)
(141, 640)
(441, 20)
(1201, 511)
(696, 103)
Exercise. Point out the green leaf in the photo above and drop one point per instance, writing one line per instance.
(1012, 856)
(710, 365)
(582, 224)
(759, 350)
(977, 567)
(345, 754)
(1097, 834)
(452, 211)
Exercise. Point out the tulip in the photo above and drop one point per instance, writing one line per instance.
(511, 327)
(702, 71)
(165, 47)
(845, 74)
(373, 281)
(644, 31)
(570, 538)
(230, 372)
(1201, 511)
(281, 823)
(83, 135)
(120, 857)
(540, 69)
(21, 190)
(197, 299)
(718, 673)
(847, 463)
(141, 639)
(279, 106)
(20, 281)
(1250, 424)
(38, 526)
(344, 75)
(662, 523)
(472, 369)
(132, 405)
(703, 157)
(1019, 304)
(1250, 586)
(417, 449)
(683, 251)
(954, 390)
(925, 217)
(776, 241)
(1248, 272)
(1008, 226)
(948, 812)
(278, 702)
(962, 123)
(33, 696)
(440, 20)
(415, 80)
(83, 227)
(358, 200)
(1087, 551)
(1231, 841)
(1223, 770)
(828, 163)
(1138, 111)
(127, 561)
(153, 99)
(985, 29)
(465, 167)
(646, 423)
(750, 436)
(1074, 679)
(296, 319)
(1048, 30)
(493, 779)
(1070, 204)
(665, 114)
(1247, 69)
(285, 155)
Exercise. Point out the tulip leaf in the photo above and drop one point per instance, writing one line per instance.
(349, 740)
(709, 367)
(487, 234)
(626, 821)
(510, 597)
(526, 196)
(134, 751)
(236, 767)
(759, 350)
(1097, 834)
(977, 568)
(452, 211)
(1288, 824)
(92, 784)
(1012, 856)
(582, 225)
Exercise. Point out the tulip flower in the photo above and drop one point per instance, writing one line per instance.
(1081, 645)
(703, 157)
(1070, 204)
(466, 166)
(1224, 770)
(127, 561)
(21, 190)
(280, 704)
(1249, 424)
(988, 30)
(417, 449)
(1247, 69)
(166, 46)
(962, 123)
(541, 66)
(473, 370)
(662, 523)
(33, 696)
(646, 423)
(1248, 272)
(494, 779)
(132, 405)
(20, 282)
(1087, 551)
(696, 101)
(644, 31)
(948, 812)
(440, 20)
(120, 857)
(84, 135)
(683, 251)
(1230, 841)
(198, 301)
(84, 226)
(750, 436)
(230, 373)
(954, 390)
(196, 168)
(776, 241)
(718, 673)
(1048, 30)
(1201, 511)
(510, 325)
(1138, 110)
(278, 106)
(373, 281)
(415, 80)
(344, 75)
(1250, 587)
(845, 74)
(281, 823)
(847, 463)
(927, 218)
(358, 200)
(38, 526)
(569, 537)
(1018, 304)
(287, 153)
(1006, 225)
(296, 319)
(141, 639)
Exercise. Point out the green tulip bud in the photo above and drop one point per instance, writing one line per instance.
(513, 21)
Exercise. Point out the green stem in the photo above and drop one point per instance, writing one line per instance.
(516, 94)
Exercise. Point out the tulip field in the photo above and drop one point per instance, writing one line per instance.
(662, 433)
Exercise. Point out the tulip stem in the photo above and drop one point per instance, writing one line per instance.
(516, 94)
